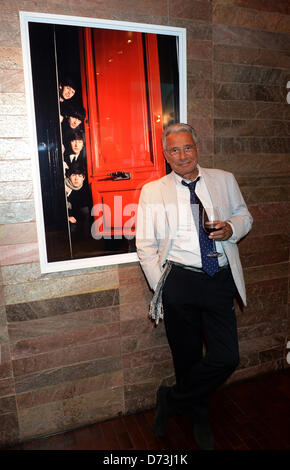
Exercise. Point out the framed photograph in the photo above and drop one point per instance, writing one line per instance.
(99, 95)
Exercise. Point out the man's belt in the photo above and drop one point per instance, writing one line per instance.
(193, 268)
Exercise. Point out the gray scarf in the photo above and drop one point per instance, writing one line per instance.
(69, 184)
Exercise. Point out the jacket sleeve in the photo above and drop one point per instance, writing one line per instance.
(241, 219)
(146, 239)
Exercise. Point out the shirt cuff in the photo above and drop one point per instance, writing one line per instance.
(233, 238)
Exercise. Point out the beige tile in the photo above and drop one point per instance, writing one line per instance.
(18, 233)
(11, 170)
(74, 285)
(41, 420)
(68, 390)
(12, 79)
(11, 58)
(17, 254)
(69, 413)
(15, 148)
(16, 191)
(17, 212)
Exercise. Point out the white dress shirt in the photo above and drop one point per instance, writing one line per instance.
(185, 247)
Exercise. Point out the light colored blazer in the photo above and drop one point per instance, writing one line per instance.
(158, 216)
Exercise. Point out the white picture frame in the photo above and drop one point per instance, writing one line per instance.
(26, 18)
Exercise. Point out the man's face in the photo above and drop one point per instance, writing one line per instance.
(182, 154)
(77, 146)
(68, 92)
(74, 122)
(77, 180)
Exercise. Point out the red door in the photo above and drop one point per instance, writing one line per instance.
(121, 91)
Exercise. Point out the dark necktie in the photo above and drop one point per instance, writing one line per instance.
(209, 265)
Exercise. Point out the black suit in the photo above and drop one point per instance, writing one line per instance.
(79, 159)
(79, 207)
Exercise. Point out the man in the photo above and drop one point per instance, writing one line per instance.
(194, 292)
(74, 149)
(74, 117)
(79, 202)
(73, 120)
(67, 90)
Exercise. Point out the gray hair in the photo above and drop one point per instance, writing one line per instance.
(176, 128)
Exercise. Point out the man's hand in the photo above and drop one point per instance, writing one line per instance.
(223, 232)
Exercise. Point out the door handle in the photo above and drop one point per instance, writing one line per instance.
(120, 175)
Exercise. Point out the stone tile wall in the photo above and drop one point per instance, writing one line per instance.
(77, 347)
(251, 45)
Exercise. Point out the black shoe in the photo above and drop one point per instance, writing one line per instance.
(162, 412)
(203, 435)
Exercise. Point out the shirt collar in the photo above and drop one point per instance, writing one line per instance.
(179, 179)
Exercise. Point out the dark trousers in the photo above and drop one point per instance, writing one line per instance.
(199, 310)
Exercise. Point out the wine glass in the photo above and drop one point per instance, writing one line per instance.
(210, 218)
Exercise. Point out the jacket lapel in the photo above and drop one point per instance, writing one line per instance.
(213, 188)
(169, 197)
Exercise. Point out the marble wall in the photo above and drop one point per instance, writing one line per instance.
(251, 67)
(77, 347)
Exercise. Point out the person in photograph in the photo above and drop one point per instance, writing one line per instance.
(74, 117)
(193, 292)
(79, 202)
(67, 91)
(74, 149)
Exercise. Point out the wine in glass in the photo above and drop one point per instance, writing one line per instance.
(210, 218)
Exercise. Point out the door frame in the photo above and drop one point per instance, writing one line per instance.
(33, 17)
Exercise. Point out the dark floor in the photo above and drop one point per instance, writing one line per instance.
(251, 415)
